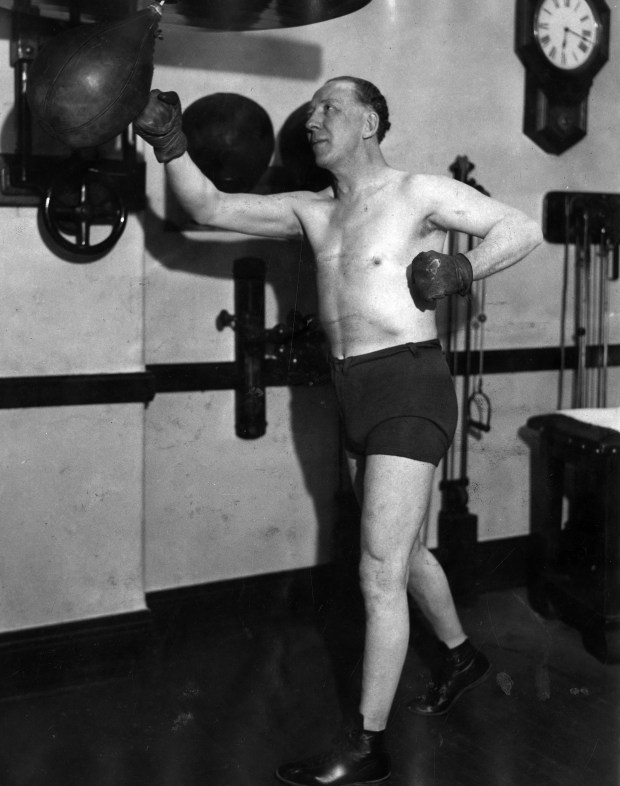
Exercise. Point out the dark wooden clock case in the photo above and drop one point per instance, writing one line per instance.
(556, 101)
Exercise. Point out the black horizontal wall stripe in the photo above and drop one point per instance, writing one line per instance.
(512, 361)
(88, 389)
(76, 389)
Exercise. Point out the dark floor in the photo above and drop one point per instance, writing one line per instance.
(221, 704)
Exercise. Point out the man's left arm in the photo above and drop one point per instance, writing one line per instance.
(506, 235)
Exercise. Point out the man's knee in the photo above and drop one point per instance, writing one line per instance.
(381, 578)
(419, 560)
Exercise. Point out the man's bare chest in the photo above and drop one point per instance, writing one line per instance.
(364, 228)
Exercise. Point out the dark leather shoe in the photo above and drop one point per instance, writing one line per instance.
(462, 669)
(359, 758)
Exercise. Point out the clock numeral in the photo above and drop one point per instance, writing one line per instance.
(556, 3)
(545, 40)
(567, 3)
(586, 33)
(553, 52)
(583, 46)
(563, 58)
(543, 25)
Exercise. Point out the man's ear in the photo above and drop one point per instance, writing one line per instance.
(371, 126)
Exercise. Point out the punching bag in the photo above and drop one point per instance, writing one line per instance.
(230, 139)
(89, 83)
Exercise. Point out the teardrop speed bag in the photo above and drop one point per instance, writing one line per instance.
(89, 83)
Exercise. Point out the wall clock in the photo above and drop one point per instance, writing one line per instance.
(563, 44)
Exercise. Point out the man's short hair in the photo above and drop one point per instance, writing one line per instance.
(369, 95)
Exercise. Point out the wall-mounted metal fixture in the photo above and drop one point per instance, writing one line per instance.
(293, 352)
(84, 194)
(590, 223)
(248, 322)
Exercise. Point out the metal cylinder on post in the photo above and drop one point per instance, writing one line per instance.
(250, 405)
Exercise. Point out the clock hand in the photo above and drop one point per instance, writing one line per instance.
(583, 37)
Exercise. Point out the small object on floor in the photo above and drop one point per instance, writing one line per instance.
(358, 758)
(505, 682)
(462, 668)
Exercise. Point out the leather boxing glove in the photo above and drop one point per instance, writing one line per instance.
(160, 124)
(435, 275)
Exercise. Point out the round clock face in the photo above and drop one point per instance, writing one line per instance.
(566, 31)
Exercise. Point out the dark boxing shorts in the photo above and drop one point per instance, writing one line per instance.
(398, 401)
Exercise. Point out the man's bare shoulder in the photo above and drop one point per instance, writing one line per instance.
(434, 194)
(312, 206)
(425, 184)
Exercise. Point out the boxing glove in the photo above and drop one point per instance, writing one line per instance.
(435, 275)
(160, 124)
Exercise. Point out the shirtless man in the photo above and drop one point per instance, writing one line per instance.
(395, 392)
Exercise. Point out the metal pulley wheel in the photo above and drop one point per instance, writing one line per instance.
(79, 203)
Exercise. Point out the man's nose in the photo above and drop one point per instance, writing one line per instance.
(312, 121)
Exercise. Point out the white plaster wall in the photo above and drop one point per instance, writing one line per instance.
(71, 478)
(71, 507)
(65, 318)
(220, 507)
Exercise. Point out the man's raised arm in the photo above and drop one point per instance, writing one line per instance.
(160, 124)
(507, 236)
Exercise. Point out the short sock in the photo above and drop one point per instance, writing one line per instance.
(464, 650)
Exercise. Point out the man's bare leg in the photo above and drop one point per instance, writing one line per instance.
(361, 755)
(428, 586)
(462, 666)
(392, 524)
(396, 493)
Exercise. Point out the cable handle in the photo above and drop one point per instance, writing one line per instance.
(482, 404)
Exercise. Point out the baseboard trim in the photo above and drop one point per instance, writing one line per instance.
(68, 654)
(72, 654)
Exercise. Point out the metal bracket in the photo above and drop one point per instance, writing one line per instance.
(293, 352)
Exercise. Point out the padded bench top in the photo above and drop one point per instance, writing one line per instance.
(595, 430)
(605, 417)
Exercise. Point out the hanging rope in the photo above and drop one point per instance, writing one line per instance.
(479, 404)
(564, 303)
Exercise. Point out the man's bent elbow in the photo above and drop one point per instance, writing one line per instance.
(203, 208)
(526, 233)
(534, 233)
